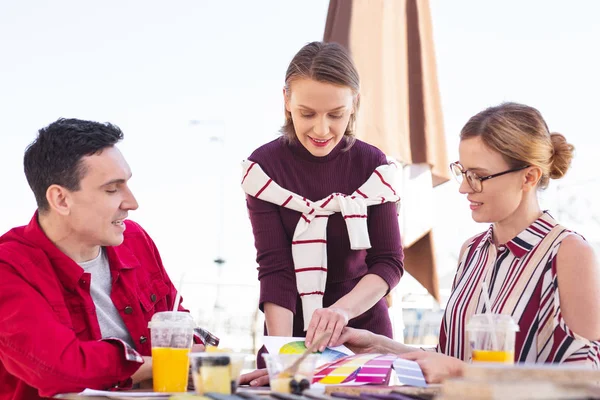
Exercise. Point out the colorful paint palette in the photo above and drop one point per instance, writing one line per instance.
(298, 347)
(293, 348)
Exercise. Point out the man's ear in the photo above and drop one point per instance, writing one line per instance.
(59, 199)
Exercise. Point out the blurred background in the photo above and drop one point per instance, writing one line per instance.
(196, 86)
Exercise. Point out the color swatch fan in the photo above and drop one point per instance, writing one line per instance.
(359, 369)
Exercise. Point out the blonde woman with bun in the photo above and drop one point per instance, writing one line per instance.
(542, 274)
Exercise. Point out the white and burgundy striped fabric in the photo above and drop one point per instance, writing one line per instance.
(521, 276)
(309, 243)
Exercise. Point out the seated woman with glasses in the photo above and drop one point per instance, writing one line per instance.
(543, 275)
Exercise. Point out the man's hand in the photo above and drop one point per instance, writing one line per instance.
(358, 340)
(436, 367)
(144, 372)
(260, 377)
(331, 320)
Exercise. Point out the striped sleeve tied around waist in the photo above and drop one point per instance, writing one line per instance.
(309, 243)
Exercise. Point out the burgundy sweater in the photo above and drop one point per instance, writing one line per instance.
(295, 169)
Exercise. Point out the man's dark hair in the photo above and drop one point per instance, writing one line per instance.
(55, 156)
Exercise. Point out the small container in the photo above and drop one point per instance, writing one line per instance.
(492, 338)
(281, 382)
(216, 372)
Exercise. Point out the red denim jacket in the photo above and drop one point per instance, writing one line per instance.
(50, 340)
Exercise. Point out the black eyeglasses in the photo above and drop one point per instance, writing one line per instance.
(474, 181)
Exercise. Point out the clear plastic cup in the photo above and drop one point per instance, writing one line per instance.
(171, 336)
(280, 381)
(216, 372)
(492, 338)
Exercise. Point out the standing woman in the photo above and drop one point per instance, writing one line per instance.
(542, 274)
(323, 212)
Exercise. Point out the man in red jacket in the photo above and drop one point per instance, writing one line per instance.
(79, 283)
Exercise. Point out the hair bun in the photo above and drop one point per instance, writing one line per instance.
(561, 157)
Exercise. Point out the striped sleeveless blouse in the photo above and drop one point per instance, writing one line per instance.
(521, 276)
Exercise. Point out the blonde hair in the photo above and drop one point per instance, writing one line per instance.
(521, 135)
(328, 63)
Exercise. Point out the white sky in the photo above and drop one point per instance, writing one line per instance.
(152, 66)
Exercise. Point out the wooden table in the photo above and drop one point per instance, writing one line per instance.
(428, 392)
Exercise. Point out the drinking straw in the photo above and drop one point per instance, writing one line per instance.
(176, 307)
(178, 296)
(488, 306)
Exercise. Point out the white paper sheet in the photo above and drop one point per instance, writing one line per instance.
(121, 395)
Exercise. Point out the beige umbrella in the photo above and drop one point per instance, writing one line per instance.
(391, 42)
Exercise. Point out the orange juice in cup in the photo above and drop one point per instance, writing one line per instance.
(492, 338)
(505, 357)
(168, 367)
(172, 334)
